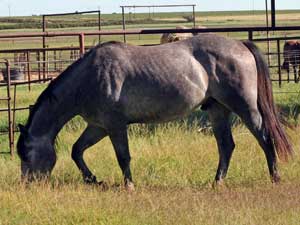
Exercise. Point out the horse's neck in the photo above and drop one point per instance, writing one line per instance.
(56, 106)
(59, 102)
(50, 117)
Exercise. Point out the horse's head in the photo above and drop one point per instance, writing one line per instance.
(37, 155)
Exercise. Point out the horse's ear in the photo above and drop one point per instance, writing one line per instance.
(22, 128)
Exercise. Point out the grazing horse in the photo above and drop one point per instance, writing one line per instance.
(171, 37)
(116, 84)
(291, 55)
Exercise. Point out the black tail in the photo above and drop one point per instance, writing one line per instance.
(267, 107)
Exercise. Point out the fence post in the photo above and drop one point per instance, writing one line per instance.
(279, 61)
(81, 44)
(28, 70)
(194, 17)
(10, 124)
(99, 25)
(123, 23)
(44, 64)
(54, 57)
(14, 113)
(250, 35)
(44, 47)
(38, 58)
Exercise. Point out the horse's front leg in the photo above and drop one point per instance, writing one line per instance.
(89, 137)
(219, 117)
(119, 140)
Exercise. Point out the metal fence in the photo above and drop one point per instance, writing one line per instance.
(42, 64)
(10, 98)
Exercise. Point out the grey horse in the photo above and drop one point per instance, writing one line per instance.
(116, 84)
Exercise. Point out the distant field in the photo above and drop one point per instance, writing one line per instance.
(205, 18)
(138, 20)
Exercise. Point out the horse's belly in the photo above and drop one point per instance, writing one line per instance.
(161, 105)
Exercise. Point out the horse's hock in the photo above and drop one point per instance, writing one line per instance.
(15, 74)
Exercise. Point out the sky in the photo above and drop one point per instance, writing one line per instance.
(37, 7)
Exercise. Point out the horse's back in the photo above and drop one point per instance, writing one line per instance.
(158, 83)
(154, 83)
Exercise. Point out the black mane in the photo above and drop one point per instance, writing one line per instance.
(47, 94)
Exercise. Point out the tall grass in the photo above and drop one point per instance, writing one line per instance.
(173, 166)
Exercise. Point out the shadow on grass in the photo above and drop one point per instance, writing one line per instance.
(290, 113)
(197, 120)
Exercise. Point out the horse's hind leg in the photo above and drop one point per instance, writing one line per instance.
(219, 117)
(298, 74)
(89, 137)
(253, 119)
(295, 74)
(119, 140)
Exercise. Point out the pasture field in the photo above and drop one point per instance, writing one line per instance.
(173, 166)
(110, 21)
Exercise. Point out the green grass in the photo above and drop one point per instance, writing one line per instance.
(173, 167)
(137, 18)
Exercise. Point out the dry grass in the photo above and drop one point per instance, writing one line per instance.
(71, 204)
(173, 167)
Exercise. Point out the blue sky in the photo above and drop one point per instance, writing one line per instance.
(29, 7)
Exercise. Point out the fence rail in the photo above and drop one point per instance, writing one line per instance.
(46, 60)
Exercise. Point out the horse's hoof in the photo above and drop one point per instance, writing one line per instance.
(103, 185)
(129, 186)
(275, 179)
(218, 184)
(90, 180)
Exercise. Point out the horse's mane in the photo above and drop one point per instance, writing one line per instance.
(47, 94)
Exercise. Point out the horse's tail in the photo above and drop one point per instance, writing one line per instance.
(266, 105)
